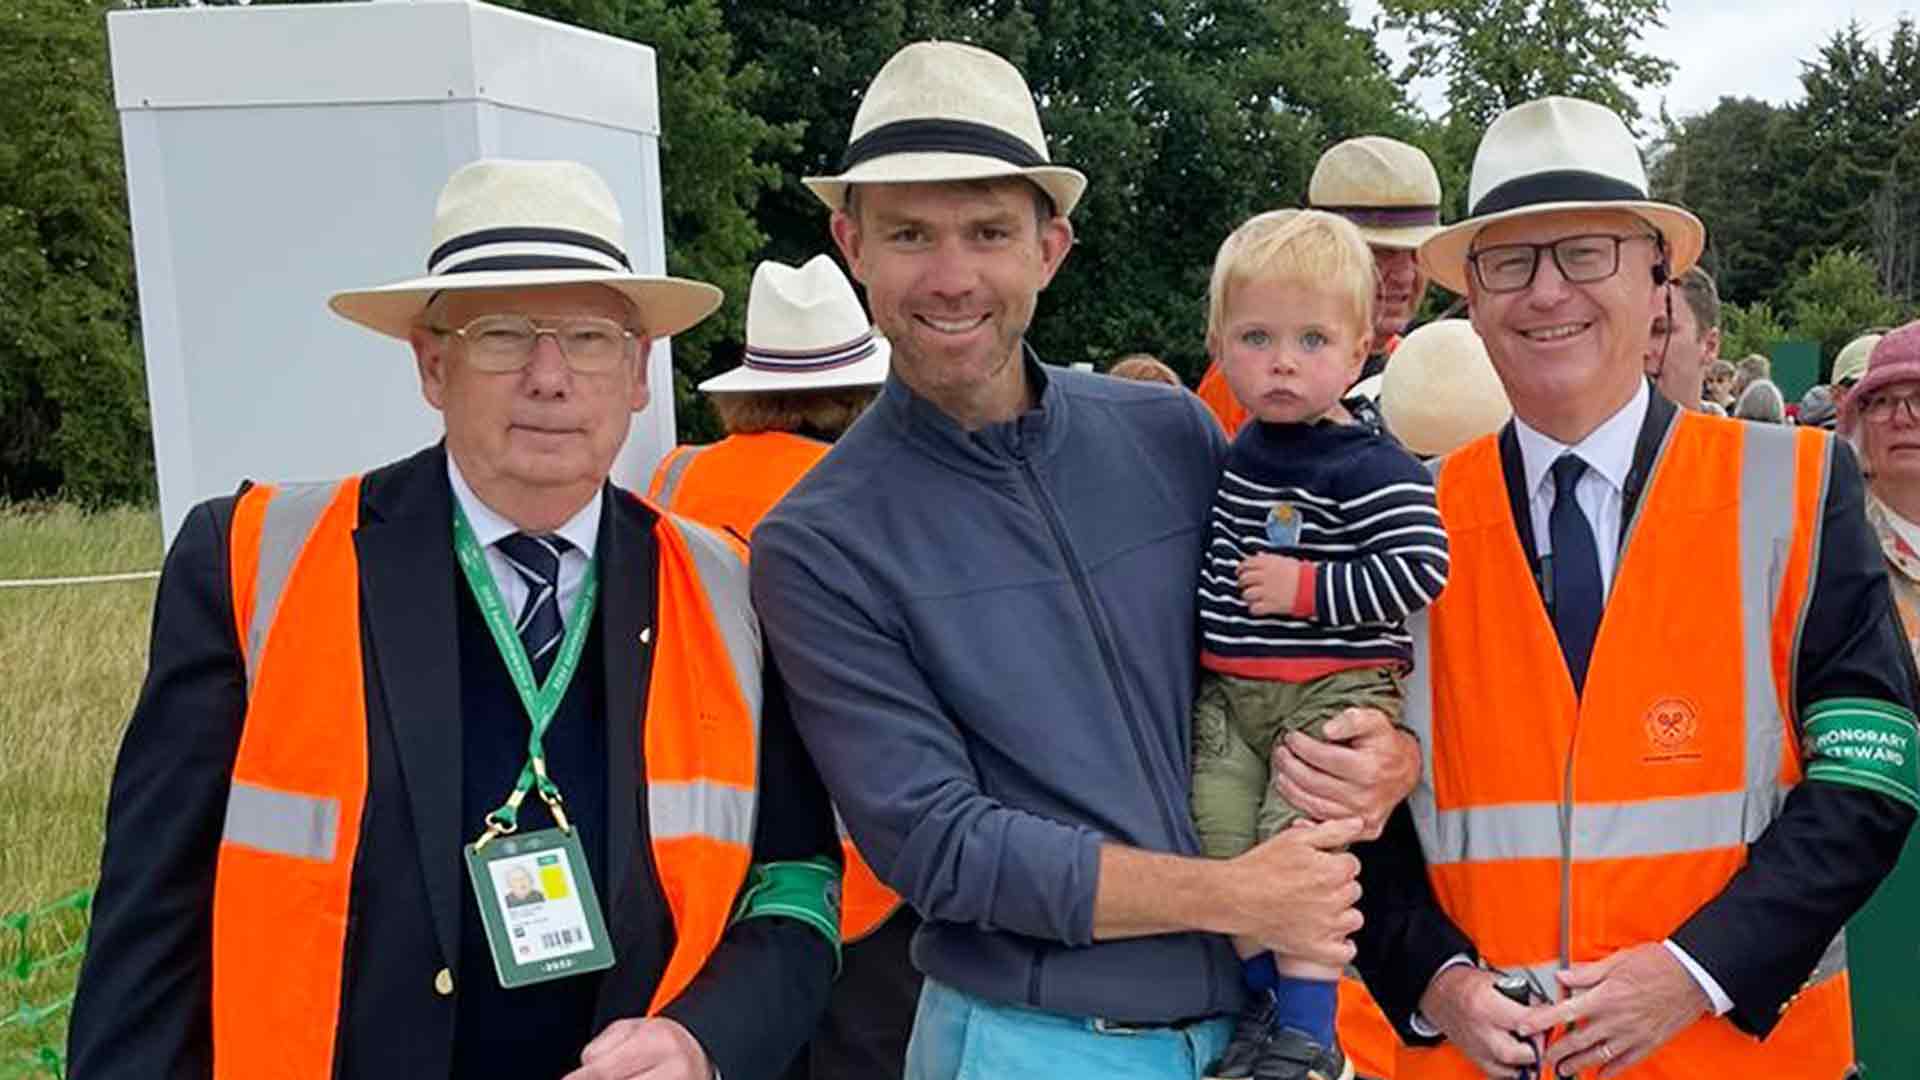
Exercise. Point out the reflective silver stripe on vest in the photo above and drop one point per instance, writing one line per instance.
(676, 469)
(680, 809)
(291, 515)
(690, 808)
(282, 822)
(1417, 711)
(1766, 540)
(723, 581)
(1832, 962)
(1643, 827)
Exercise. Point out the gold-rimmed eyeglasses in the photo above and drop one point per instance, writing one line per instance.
(505, 343)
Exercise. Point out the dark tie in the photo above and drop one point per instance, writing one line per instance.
(1578, 594)
(537, 560)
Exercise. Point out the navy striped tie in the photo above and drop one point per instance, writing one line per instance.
(537, 560)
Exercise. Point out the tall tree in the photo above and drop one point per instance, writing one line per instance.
(1187, 117)
(715, 160)
(73, 415)
(1777, 185)
(1495, 54)
(1736, 166)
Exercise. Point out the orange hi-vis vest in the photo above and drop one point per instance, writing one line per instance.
(1559, 829)
(283, 889)
(730, 485)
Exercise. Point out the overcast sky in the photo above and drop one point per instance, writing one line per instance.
(1743, 48)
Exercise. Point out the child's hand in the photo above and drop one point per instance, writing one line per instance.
(1269, 582)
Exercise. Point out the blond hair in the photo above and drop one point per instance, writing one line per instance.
(1311, 248)
(825, 412)
(1143, 367)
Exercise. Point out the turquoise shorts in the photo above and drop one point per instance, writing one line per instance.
(960, 1037)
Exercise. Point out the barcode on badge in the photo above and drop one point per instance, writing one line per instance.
(560, 939)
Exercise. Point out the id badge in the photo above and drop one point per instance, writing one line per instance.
(1283, 525)
(537, 902)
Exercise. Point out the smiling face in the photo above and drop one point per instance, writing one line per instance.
(1398, 294)
(540, 440)
(1570, 355)
(953, 272)
(1288, 349)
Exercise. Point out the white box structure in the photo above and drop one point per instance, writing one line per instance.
(276, 155)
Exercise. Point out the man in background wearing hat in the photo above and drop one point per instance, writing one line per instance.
(982, 605)
(1388, 189)
(315, 817)
(1667, 713)
(1685, 338)
(813, 365)
(1851, 366)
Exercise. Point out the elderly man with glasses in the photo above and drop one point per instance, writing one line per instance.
(322, 853)
(1666, 709)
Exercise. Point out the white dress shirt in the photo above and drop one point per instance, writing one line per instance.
(581, 530)
(1608, 452)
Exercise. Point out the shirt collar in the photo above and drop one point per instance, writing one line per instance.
(581, 530)
(1607, 449)
(1899, 538)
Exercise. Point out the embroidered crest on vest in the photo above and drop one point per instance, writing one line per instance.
(1671, 723)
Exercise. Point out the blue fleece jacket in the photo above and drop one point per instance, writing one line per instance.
(989, 644)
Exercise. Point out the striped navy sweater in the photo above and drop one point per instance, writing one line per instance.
(1354, 505)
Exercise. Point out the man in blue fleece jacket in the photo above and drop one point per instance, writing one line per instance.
(982, 604)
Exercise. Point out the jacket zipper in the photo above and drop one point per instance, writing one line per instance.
(1107, 657)
(1100, 637)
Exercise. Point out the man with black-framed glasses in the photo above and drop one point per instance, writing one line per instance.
(1667, 714)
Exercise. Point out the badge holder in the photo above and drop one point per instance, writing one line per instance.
(537, 903)
(535, 891)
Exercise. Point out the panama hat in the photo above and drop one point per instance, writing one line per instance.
(940, 110)
(1440, 391)
(806, 330)
(514, 224)
(1384, 186)
(1852, 361)
(1557, 154)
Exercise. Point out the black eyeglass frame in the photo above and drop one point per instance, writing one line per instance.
(1891, 405)
(1552, 247)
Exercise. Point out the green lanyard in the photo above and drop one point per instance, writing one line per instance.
(541, 701)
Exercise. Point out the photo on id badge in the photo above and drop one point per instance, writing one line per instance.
(541, 906)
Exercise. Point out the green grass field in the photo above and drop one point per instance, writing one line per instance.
(71, 659)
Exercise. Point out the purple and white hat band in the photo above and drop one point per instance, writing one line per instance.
(1387, 217)
(777, 361)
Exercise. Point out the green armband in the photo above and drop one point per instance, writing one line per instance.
(1866, 744)
(806, 891)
